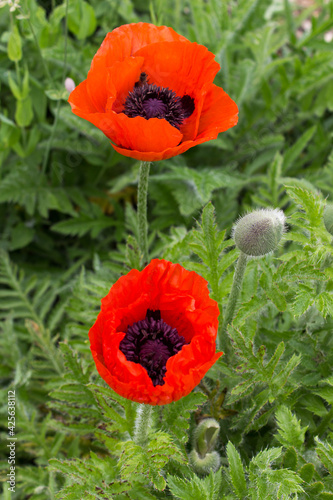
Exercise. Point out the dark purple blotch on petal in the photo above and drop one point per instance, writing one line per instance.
(151, 342)
(149, 101)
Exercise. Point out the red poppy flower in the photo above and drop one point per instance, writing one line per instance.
(151, 92)
(154, 338)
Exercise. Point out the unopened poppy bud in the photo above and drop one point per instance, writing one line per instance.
(202, 466)
(205, 436)
(259, 232)
(328, 217)
(69, 85)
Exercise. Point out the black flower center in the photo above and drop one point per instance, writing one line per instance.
(150, 101)
(151, 342)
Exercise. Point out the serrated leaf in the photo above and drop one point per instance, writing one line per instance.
(324, 303)
(290, 432)
(196, 488)
(325, 452)
(305, 297)
(84, 223)
(138, 463)
(177, 414)
(236, 471)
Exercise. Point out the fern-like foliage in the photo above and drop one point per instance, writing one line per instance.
(90, 479)
(208, 244)
(290, 432)
(27, 186)
(260, 479)
(175, 416)
(195, 487)
(140, 464)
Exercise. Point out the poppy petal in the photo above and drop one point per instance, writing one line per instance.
(121, 79)
(183, 301)
(219, 113)
(122, 42)
(171, 62)
(182, 67)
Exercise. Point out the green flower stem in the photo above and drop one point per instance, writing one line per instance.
(142, 424)
(233, 297)
(142, 209)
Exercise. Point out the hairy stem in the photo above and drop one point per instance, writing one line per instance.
(233, 297)
(142, 209)
(142, 424)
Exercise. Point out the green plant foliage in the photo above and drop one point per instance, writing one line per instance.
(290, 432)
(177, 414)
(207, 488)
(137, 464)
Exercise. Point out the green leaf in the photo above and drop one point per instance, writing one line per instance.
(15, 89)
(176, 415)
(305, 297)
(14, 47)
(83, 224)
(306, 472)
(290, 459)
(21, 236)
(324, 303)
(137, 463)
(265, 458)
(193, 189)
(287, 481)
(115, 408)
(294, 151)
(81, 19)
(208, 243)
(24, 113)
(277, 298)
(290, 432)
(236, 471)
(325, 452)
(28, 187)
(195, 488)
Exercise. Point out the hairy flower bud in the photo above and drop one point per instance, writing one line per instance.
(205, 436)
(328, 217)
(202, 458)
(202, 466)
(259, 232)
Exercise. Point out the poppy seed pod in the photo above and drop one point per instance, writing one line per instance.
(259, 233)
(328, 217)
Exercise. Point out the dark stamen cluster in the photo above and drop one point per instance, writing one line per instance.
(150, 101)
(151, 342)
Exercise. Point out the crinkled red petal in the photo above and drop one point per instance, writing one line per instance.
(122, 42)
(170, 60)
(183, 299)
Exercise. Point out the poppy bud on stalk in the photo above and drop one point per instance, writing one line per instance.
(328, 217)
(256, 234)
(259, 232)
(202, 458)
